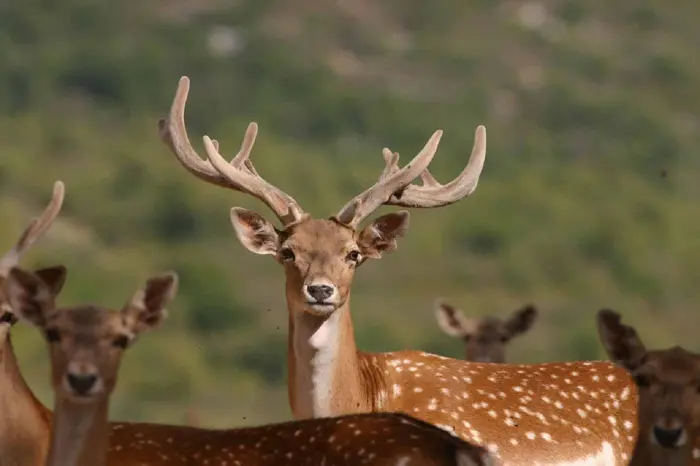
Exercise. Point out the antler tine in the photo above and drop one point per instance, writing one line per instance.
(242, 174)
(434, 194)
(391, 180)
(239, 174)
(35, 230)
(173, 132)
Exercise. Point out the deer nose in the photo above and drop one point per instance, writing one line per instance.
(320, 292)
(81, 383)
(668, 438)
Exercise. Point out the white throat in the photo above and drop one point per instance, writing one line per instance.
(315, 346)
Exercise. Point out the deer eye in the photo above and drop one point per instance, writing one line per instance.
(52, 335)
(642, 380)
(354, 256)
(287, 254)
(122, 341)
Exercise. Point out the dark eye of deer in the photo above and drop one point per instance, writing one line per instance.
(354, 256)
(52, 335)
(642, 381)
(122, 341)
(287, 254)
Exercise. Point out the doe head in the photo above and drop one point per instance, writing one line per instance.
(486, 338)
(86, 343)
(668, 382)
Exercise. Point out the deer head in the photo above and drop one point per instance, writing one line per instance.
(320, 256)
(486, 338)
(53, 276)
(669, 392)
(86, 343)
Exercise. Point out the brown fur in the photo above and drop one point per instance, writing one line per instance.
(669, 393)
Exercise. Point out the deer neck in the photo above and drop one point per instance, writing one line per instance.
(80, 433)
(324, 368)
(24, 421)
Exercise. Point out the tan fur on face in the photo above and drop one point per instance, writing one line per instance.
(87, 341)
(320, 248)
(670, 389)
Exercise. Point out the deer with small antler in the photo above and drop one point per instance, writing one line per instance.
(25, 423)
(485, 339)
(669, 394)
(86, 344)
(524, 414)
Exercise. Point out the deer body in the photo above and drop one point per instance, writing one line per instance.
(382, 439)
(555, 413)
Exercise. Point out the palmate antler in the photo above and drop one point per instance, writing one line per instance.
(393, 187)
(35, 230)
(239, 174)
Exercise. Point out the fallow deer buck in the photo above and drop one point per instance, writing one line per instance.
(86, 344)
(485, 339)
(669, 394)
(525, 414)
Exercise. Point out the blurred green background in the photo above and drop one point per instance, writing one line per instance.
(588, 197)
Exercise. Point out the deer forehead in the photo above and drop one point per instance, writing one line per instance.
(86, 320)
(317, 235)
(674, 364)
(490, 325)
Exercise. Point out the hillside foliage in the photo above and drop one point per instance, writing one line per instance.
(588, 198)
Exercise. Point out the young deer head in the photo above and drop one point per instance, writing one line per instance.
(669, 394)
(485, 339)
(86, 344)
(320, 256)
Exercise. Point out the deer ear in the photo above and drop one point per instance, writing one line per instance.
(521, 321)
(28, 295)
(380, 236)
(146, 309)
(54, 277)
(254, 232)
(452, 321)
(621, 342)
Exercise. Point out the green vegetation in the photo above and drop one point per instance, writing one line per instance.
(588, 198)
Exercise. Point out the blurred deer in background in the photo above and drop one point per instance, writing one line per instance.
(524, 414)
(485, 339)
(669, 394)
